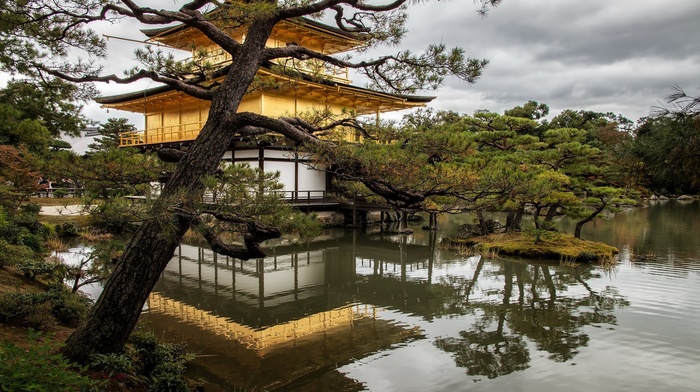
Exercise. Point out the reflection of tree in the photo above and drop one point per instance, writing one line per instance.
(662, 229)
(496, 344)
(489, 353)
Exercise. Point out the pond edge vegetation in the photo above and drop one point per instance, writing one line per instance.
(548, 245)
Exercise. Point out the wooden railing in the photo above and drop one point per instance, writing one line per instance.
(172, 133)
(316, 68)
(60, 192)
(306, 197)
(311, 67)
(291, 197)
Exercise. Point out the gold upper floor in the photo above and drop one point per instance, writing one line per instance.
(173, 116)
(303, 32)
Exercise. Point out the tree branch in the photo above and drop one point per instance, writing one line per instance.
(180, 85)
(257, 233)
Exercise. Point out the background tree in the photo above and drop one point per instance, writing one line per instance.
(36, 114)
(423, 163)
(19, 178)
(109, 134)
(666, 147)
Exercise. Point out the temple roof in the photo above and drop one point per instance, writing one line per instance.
(121, 101)
(333, 39)
(306, 22)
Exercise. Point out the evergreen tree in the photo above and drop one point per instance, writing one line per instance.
(109, 134)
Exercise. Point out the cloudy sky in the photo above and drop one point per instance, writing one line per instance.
(621, 56)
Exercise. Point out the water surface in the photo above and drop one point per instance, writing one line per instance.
(372, 311)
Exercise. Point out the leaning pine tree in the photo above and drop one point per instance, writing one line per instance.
(37, 36)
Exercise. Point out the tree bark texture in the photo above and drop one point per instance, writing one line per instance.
(116, 312)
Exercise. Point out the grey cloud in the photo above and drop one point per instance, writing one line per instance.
(604, 55)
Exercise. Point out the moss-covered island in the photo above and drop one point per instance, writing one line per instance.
(554, 246)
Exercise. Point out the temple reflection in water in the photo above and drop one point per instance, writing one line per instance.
(275, 321)
(291, 319)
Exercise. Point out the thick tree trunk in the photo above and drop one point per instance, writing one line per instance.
(111, 320)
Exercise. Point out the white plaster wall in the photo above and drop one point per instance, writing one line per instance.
(311, 180)
(286, 170)
(246, 154)
(279, 154)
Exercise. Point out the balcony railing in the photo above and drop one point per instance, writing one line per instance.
(312, 67)
(167, 134)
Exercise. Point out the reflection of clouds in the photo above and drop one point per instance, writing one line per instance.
(72, 257)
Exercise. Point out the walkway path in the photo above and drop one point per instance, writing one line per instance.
(62, 210)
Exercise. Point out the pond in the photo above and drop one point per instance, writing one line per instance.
(371, 311)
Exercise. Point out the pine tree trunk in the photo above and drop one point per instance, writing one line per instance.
(536, 217)
(482, 222)
(116, 312)
(551, 213)
(579, 224)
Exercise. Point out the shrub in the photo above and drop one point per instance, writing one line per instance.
(38, 368)
(35, 309)
(34, 268)
(70, 308)
(60, 193)
(164, 363)
(12, 254)
(48, 230)
(67, 229)
(113, 216)
(112, 363)
(170, 383)
(30, 210)
(24, 308)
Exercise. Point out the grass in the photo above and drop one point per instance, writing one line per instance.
(58, 219)
(55, 201)
(552, 246)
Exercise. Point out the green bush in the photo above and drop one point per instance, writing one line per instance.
(48, 230)
(38, 368)
(163, 363)
(67, 229)
(170, 383)
(36, 309)
(112, 364)
(25, 308)
(60, 193)
(34, 268)
(113, 216)
(30, 210)
(11, 254)
(69, 308)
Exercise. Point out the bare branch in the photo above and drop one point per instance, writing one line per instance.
(403, 72)
(293, 131)
(190, 89)
(257, 233)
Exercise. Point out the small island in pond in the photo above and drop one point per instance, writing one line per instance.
(550, 245)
